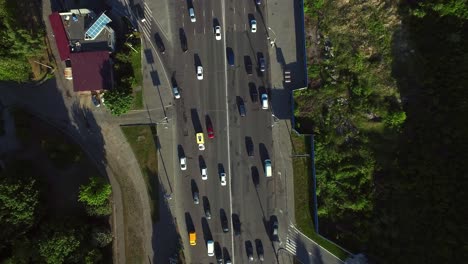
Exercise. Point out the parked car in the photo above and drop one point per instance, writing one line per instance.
(253, 25)
(96, 100)
(196, 199)
(217, 31)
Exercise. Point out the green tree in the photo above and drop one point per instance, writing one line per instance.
(93, 256)
(56, 247)
(19, 200)
(101, 236)
(118, 102)
(395, 120)
(458, 8)
(14, 68)
(95, 193)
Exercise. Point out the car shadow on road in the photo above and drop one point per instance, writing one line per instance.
(197, 126)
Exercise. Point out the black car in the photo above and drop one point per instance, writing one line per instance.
(139, 12)
(248, 65)
(236, 224)
(262, 64)
(224, 221)
(249, 250)
(253, 92)
(249, 146)
(206, 207)
(274, 228)
(259, 246)
(218, 253)
(159, 43)
(183, 40)
(241, 104)
(230, 56)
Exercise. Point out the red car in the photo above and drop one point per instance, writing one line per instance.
(209, 128)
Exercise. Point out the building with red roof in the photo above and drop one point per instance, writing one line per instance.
(87, 60)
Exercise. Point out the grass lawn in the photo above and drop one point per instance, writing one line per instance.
(303, 198)
(138, 81)
(141, 139)
(137, 100)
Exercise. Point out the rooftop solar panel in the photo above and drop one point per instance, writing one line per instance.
(97, 26)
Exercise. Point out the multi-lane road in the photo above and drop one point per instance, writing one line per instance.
(216, 99)
(249, 196)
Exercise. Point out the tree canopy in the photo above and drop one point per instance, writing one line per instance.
(17, 43)
(95, 195)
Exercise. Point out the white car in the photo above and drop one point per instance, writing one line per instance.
(192, 15)
(183, 163)
(264, 101)
(176, 92)
(199, 72)
(253, 25)
(222, 177)
(204, 174)
(218, 32)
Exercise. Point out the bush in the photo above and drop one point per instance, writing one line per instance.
(96, 193)
(118, 102)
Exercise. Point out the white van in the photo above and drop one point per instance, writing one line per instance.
(264, 101)
(268, 168)
(210, 246)
(192, 15)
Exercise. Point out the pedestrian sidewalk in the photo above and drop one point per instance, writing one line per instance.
(280, 22)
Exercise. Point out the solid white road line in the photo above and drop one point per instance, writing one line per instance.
(223, 13)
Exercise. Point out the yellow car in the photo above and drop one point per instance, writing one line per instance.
(193, 238)
(200, 141)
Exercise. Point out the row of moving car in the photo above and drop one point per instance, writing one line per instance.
(204, 171)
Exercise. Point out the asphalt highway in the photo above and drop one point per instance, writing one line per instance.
(249, 196)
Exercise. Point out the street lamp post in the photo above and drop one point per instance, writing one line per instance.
(272, 41)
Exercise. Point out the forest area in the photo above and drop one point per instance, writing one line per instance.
(23, 50)
(54, 205)
(386, 103)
